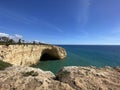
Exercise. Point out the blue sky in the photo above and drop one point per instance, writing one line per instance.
(62, 21)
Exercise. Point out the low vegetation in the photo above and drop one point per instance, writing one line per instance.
(30, 73)
(62, 74)
(7, 41)
(4, 65)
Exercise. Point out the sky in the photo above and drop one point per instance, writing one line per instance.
(62, 21)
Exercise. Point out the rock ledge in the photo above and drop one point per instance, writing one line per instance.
(68, 78)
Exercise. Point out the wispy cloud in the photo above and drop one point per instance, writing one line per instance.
(84, 11)
(116, 30)
(27, 19)
(86, 4)
(16, 16)
(3, 28)
(83, 34)
(58, 29)
(50, 25)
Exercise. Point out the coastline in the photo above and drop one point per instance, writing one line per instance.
(18, 77)
(28, 54)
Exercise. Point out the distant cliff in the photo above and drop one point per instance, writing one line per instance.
(27, 55)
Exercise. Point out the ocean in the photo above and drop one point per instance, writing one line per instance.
(84, 55)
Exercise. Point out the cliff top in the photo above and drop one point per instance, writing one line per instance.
(68, 78)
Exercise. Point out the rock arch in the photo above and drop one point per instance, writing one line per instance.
(27, 55)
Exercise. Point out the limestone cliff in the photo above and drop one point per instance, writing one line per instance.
(27, 55)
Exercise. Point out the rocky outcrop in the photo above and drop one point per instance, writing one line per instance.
(23, 78)
(27, 55)
(90, 78)
(68, 78)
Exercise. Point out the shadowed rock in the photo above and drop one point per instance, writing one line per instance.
(49, 55)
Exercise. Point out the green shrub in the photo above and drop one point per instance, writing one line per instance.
(7, 44)
(64, 74)
(4, 65)
(30, 73)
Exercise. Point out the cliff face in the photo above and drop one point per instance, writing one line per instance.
(30, 54)
(68, 78)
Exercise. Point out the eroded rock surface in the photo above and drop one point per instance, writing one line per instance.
(91, 78)
(68, 78)
(14, 78)
(27, 55)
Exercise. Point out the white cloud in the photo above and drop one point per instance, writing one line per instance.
(37, 41)
(18, 36)
(15, 37)
(4, 35)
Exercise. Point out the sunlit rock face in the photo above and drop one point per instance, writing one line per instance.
(90, 78)
(68, 78)
(27, 55)
(28, 78)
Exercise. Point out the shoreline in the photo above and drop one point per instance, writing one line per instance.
(26, 55)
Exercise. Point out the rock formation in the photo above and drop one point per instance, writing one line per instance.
(90, 78)
(68, 78)
(27, 55)
(15, 78)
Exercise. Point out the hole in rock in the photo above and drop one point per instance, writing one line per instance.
(47, 56)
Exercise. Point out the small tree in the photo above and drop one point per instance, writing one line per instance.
(39, 43)
(34, 43)
(0, 38)
(11, 41)
(23, 41)
(19, 41)
(5, 39)
(1, 41)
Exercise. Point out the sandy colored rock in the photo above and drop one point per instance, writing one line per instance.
(13, 78)
(27, 55)
(68, 78)
(90, 78)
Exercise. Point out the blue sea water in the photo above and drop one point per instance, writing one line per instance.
(85, 55)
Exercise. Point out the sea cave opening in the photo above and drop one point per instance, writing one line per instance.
(47, 56)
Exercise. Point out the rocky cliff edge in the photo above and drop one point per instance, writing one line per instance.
(68, 78)
(27, 55)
